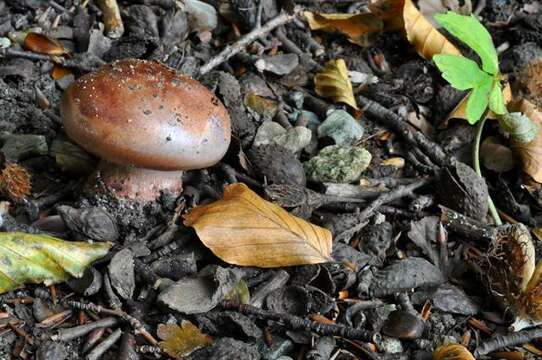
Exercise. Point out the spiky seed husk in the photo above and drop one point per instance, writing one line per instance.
(15, 182)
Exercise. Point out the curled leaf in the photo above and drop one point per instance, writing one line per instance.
(354, 26)
(179, 341)
(43, 44)
(26, 258)
(425, 38)
(531, 153)
(334, 83)
(244, 229)
(520, 127)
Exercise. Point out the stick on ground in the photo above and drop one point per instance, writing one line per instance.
(240, 44)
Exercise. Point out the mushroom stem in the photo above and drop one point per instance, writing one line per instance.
(133, 183)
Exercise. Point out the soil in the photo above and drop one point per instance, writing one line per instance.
(403, 279)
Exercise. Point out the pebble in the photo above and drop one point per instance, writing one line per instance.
(341, 127)
(390, 345)
(121, 272)
(403, 325)
(339, 164)
(294, 139)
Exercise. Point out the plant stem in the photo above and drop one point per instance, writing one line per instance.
(476, 165)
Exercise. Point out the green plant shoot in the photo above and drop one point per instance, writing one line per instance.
(465, 74)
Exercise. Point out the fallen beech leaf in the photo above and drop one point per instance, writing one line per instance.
(261, 105)
(26, 258)
(460, 111)
(43, 44)
(354, 26)
(179, 341)
(334, 83)
(425, 38)
(243, 229)
(531, 152)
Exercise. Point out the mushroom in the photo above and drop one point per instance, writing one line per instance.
(147, 123)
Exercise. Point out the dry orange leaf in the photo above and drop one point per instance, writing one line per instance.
(244, 229)
(179, 341)
(425, 38)
(333, 83)
(531, 152)
(43, 44)
(354, 26)
(460, 111)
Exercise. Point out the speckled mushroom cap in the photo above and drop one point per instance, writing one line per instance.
(143, 113)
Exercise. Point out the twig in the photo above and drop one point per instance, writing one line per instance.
(396, 123)
(102, 347)
(397, 193)
(134, 323)
(299, 324)
(501, 341)
(81, 330)
(235, 48)
(114, 27)
(465, 226)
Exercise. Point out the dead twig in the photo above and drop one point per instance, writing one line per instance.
(114, 27)
(502, 341)
(397, 193)
(396, 123)
(240, 44)
(296, 323)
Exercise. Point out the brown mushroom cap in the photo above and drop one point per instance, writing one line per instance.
(143, 113)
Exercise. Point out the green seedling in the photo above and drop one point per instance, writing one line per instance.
(485, 84)
(464, 74)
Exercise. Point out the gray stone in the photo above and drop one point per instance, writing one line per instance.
(390, 345)
(341, 127)
(294, 139)
(339, 164)
(121, 273)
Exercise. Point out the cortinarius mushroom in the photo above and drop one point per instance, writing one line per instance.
(147, 123)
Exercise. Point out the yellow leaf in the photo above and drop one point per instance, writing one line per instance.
(259, 104)
(179, 341)
(460, 111)
(354, 26)
(244, 229)
(425, 38)
(333, 83)
(531, 152)
(26, 258)
(452, 352)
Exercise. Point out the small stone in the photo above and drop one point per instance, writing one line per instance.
(281, 64)
(339, 164)
(277, 165)
(451, 299)
(121, 273)
(390, 345)
(341, 127)
(294, 139)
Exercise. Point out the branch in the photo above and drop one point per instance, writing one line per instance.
(240, 44)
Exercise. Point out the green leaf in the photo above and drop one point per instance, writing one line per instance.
(496, 100)
(26, 258)
(470, 31)
(460, 72)
(478, 101)
(520, 127)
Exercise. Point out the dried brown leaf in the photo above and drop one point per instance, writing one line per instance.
(425, 38)
(354, 26)
(333, 83)
(179, 341)
(244, 229)
(43, 44)
(531, 152)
